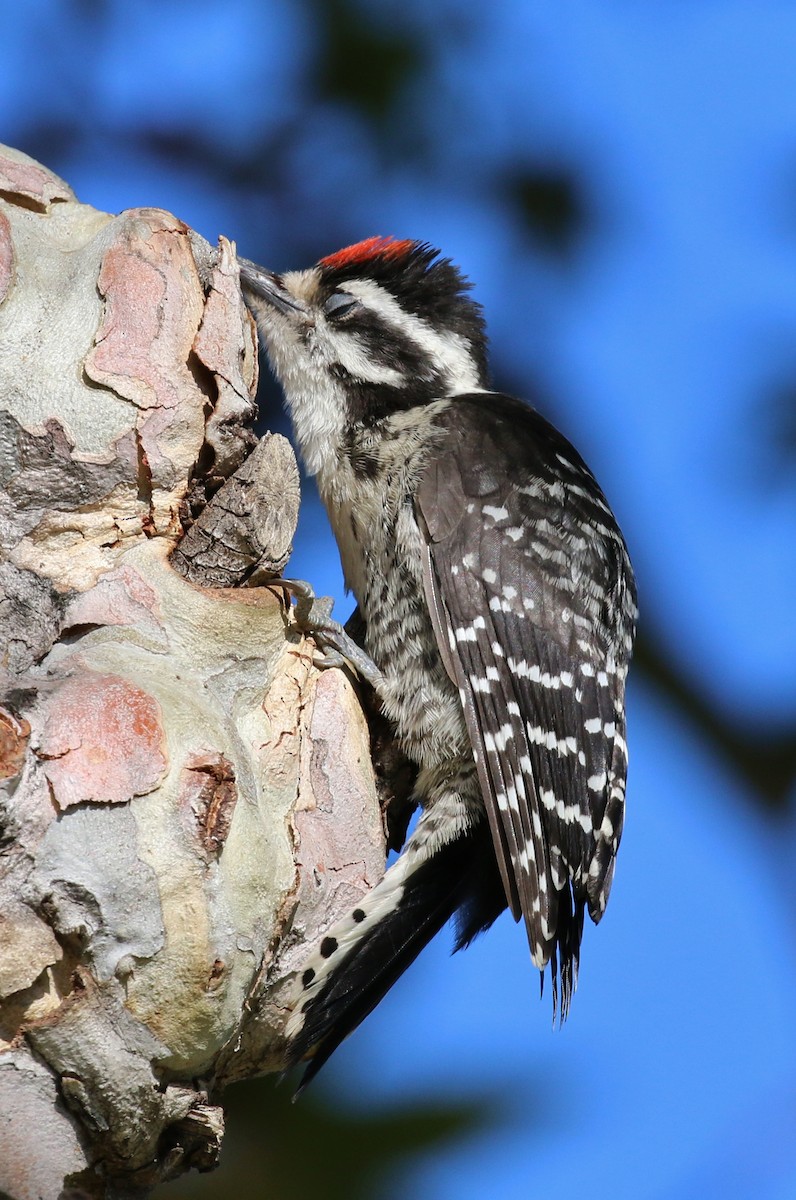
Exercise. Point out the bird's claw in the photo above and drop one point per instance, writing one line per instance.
(313, 615)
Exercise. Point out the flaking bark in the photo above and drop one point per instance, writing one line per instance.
(185, 800)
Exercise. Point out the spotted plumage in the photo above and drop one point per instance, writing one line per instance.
(499, 610)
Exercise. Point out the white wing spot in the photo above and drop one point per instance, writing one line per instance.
(497, 514)
(503, 735)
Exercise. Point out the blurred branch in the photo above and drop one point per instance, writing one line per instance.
(766, 764)
(552, 206)
(363, 64)
(354, 1152)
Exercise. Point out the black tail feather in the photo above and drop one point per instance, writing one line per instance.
(432, 893)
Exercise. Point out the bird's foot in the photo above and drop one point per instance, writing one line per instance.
(313, 615)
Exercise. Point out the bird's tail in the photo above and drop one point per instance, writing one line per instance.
(364, 954)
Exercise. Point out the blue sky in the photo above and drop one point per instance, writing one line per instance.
(657, 344)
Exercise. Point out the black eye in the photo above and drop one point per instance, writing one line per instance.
(339, 303)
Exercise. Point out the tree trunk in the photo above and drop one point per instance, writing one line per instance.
(185, 800)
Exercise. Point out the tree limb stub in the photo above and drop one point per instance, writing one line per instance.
(185, 801)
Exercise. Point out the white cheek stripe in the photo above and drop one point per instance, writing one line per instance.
(448, 349)
(350, 355)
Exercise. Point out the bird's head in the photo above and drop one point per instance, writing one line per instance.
(375, 329)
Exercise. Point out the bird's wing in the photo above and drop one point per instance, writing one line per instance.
(532, 600)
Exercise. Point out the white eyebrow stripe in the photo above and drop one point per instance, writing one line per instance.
(452, 352)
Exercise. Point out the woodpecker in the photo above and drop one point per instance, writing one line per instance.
(499, 610)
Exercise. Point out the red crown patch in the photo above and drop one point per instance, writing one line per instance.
(374, 247)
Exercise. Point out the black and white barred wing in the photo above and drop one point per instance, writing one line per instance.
(532, 598)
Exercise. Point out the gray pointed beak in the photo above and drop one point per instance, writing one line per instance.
(267, 286)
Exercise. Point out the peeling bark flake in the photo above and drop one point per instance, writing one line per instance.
(208, 787)
(14, 734)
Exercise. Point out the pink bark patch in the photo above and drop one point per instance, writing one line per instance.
(153, 305)
(33, 181)
(102, 742)
(6, 256)
(120, 597)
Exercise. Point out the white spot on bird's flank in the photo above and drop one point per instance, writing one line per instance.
(497, 514)
(488, 575)
(593, 725)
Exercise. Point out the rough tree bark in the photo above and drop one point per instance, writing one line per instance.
(186, 802)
